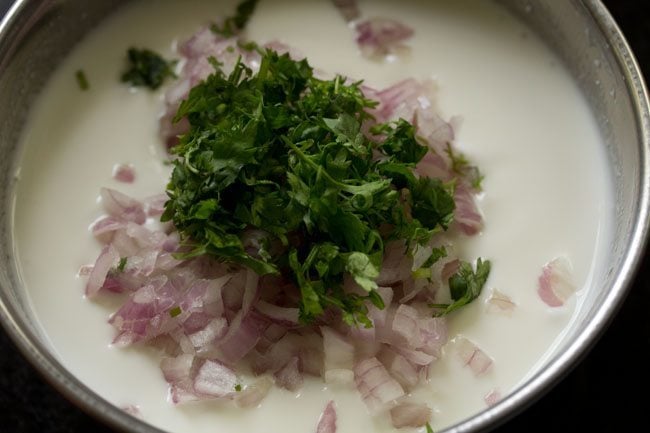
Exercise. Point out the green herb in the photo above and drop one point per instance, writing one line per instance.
(233, 25)
(429, 429)
(248, 46)
(461, 166)
(238, 388)
(82, 80)
(465, 285)
(122, 264)
(175, 311)
(425, 270)
(147, 68)
(436, 254)
(283, 153)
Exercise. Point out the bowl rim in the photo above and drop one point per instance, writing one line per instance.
(562, 364)
(39, 356)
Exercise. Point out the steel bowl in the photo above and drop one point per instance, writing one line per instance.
(36, 34)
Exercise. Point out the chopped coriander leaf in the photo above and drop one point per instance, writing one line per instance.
(233, 25)
(465, 285)
(461, 166)
(238, 387)
(175, 311)
(424, 271)
(147, 69)
(122, 264)
(82, 80)
(248, 46)
(436, 254)
(282, 152)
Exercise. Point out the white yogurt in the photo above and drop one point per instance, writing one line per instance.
(525, 124)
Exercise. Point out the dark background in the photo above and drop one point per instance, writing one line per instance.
(608, 391)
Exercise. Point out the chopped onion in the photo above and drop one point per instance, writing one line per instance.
(310, 351)
(85, 270)
(271, 335)
(410, 415)
(289, 376)
(155, 205)
(214, 379)
(250, 293)
(281, 315)
(472, 356)
(177, 372)
(437, 133)
(405, 325)
(417, 357)
(556, 282)
(402, 100)
(399, 367)
(254, 393)
(339, 376)
(243, 334)
(106, 226)
(327, 421)
(396, 266)
(378, 36)
(132, 410)
(145, 314)
(500, 302)
(107, 259)
(212, 331)
(434, 334)
(379, 316)
(376, 386)
(467, 215)
(122, 206)
(339, 356)
(492, 397)
(124, 173)
(277, 355)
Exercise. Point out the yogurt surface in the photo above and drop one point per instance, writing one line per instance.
(547, 193)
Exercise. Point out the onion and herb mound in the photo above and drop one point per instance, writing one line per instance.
(306, 231)
(275, 174)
